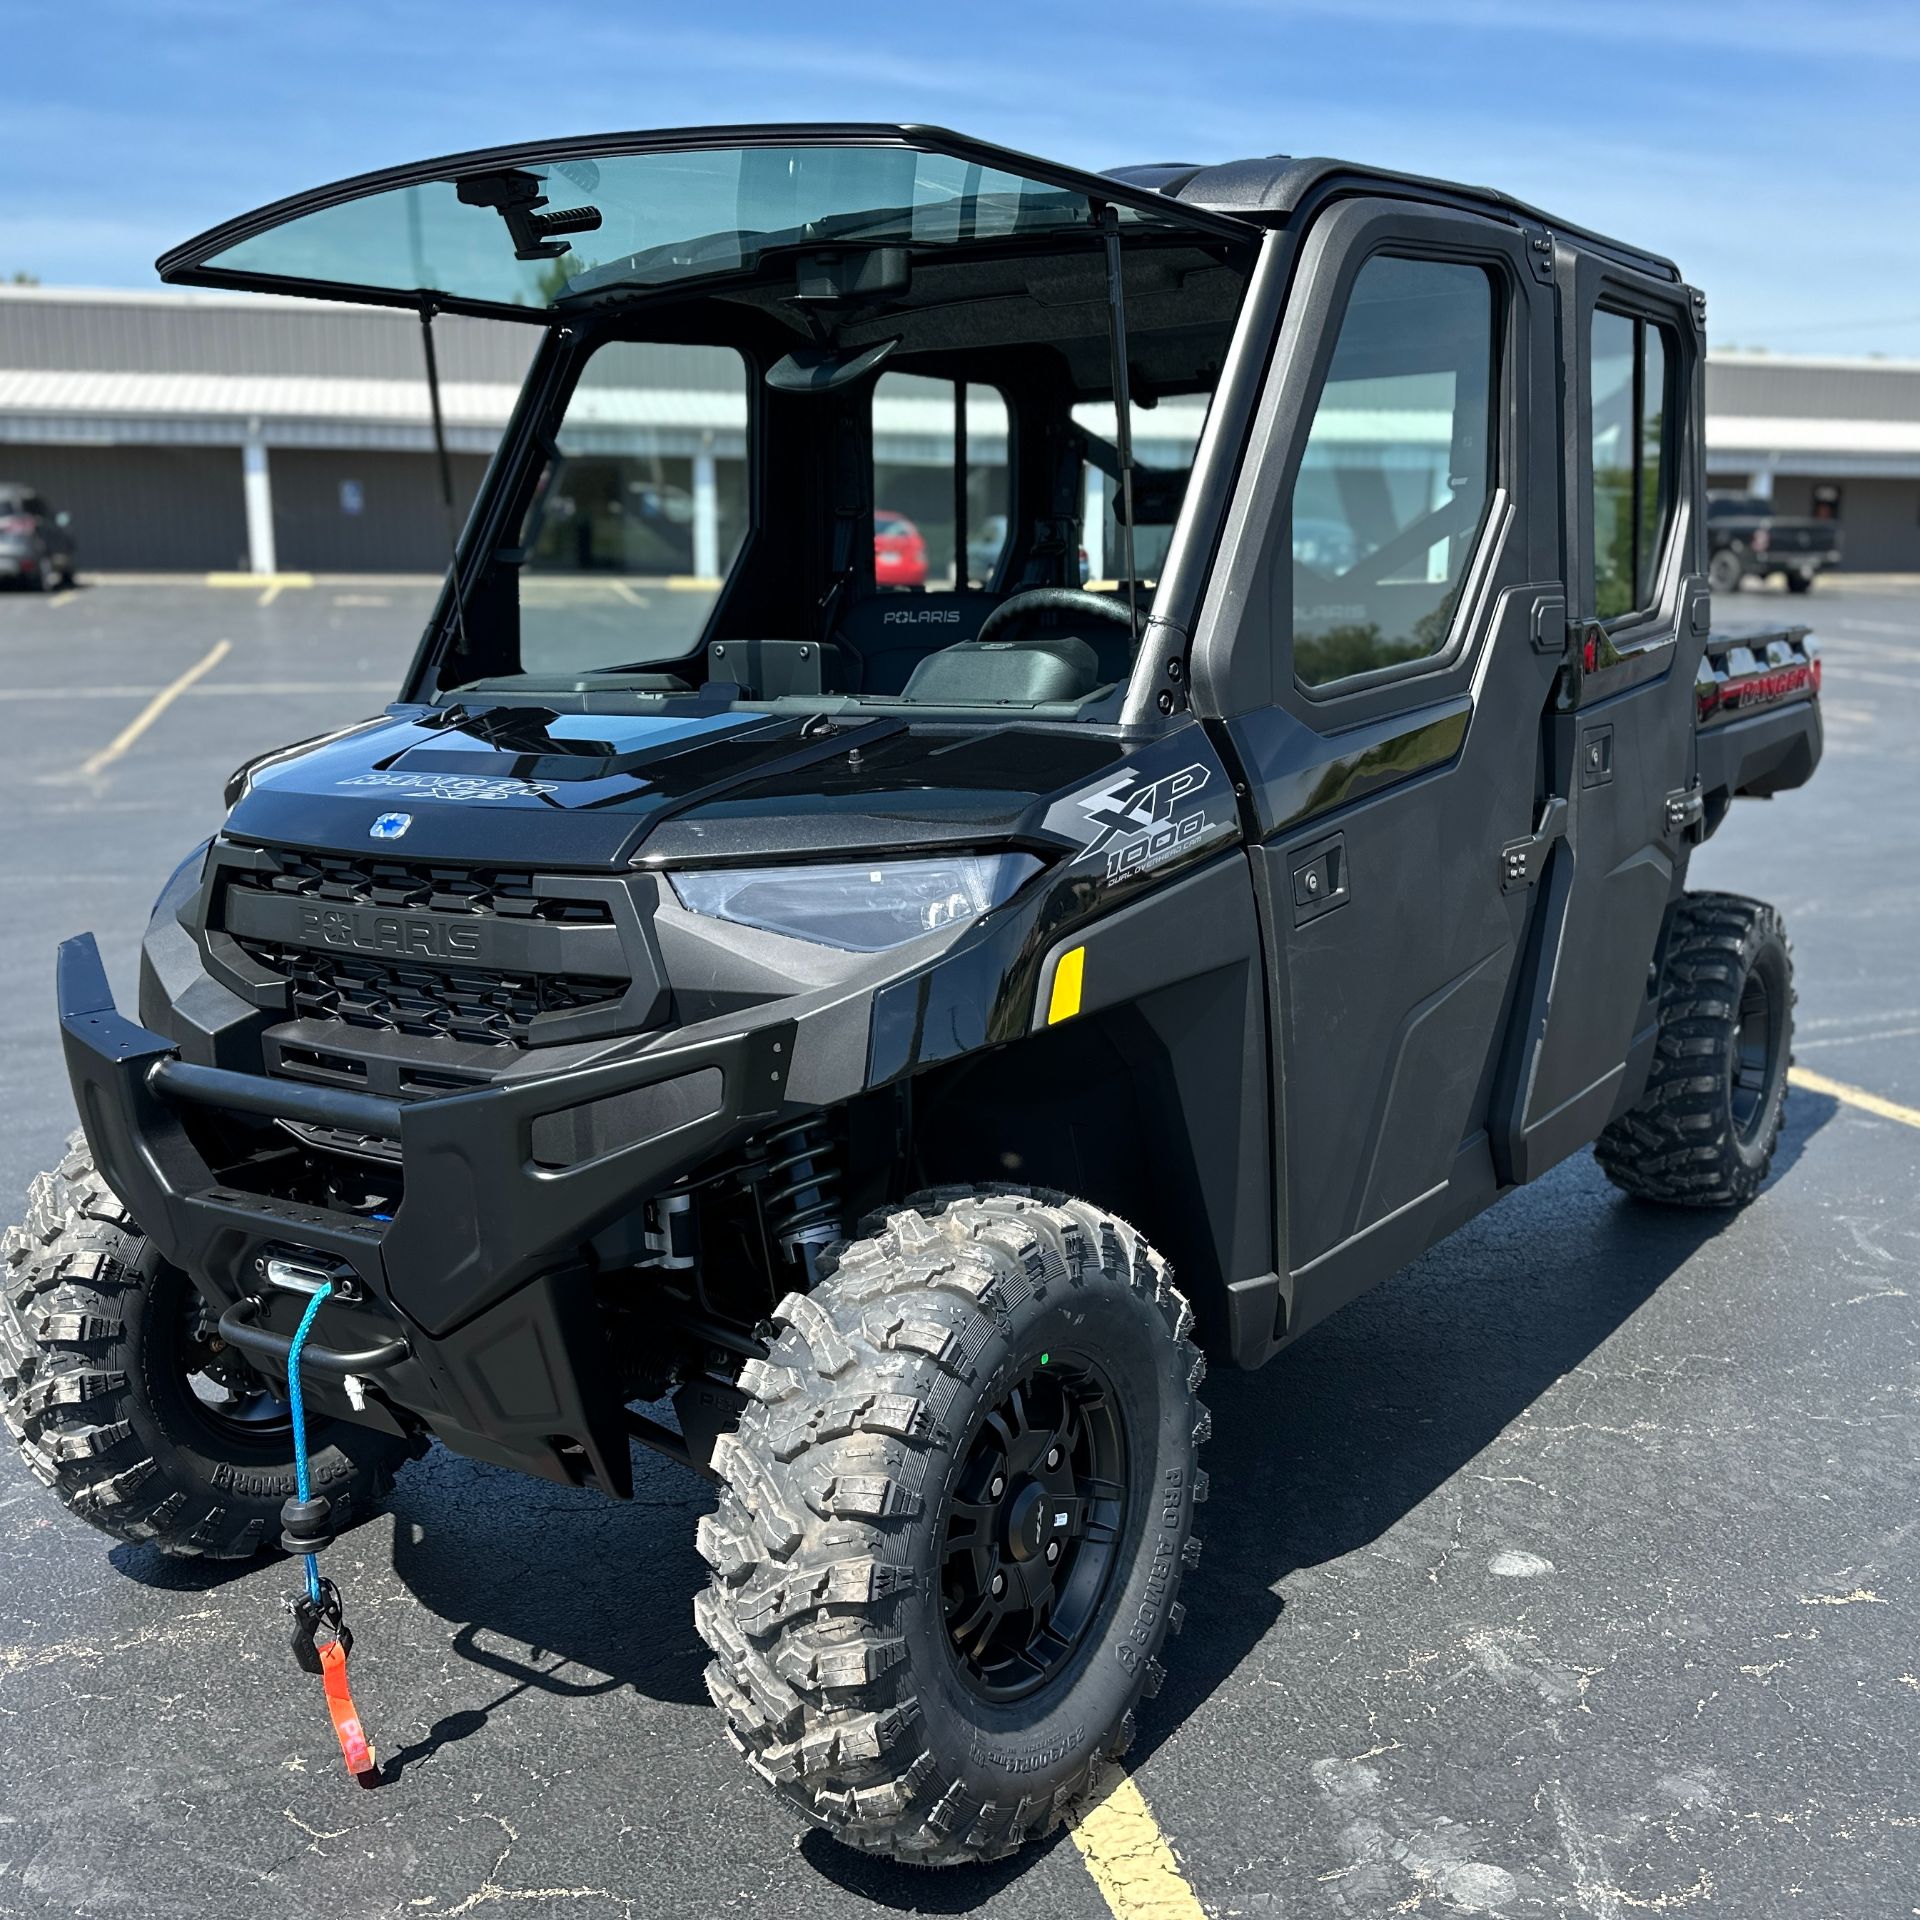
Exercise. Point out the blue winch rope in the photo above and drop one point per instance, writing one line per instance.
(300, 1419)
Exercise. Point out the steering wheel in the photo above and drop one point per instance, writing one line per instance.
(1055, 600)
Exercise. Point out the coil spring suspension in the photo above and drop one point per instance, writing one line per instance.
(799, 1189)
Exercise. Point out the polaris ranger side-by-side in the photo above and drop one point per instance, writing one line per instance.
(844, 1012)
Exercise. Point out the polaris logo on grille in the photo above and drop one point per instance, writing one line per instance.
(390, 826)
(399, 934)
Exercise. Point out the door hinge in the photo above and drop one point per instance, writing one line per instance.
(1686, 811)
(1540, 255)
(1522, 861)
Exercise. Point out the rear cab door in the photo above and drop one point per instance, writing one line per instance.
(1621, 746)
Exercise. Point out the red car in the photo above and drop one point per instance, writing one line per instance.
(899, 553)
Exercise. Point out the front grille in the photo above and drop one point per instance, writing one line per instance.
(408, 886)
(375, 943)
(478, 1005)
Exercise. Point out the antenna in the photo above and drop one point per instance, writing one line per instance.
(1122, 403)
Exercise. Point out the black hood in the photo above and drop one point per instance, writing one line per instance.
(523, 785)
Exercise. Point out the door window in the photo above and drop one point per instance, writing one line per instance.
(917, 537)
(1398, 470)
(1632, 456)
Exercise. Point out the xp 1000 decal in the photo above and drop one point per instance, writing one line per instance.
(1138, 817)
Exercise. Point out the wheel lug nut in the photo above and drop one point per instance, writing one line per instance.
(1053, 1456)
(999, 1585)
(997, 1489)
(1053, 1551)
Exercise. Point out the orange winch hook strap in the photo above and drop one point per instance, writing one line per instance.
(355, 1749)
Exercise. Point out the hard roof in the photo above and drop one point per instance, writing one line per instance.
(1280, 184)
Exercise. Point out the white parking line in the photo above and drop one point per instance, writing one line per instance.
(154, 708)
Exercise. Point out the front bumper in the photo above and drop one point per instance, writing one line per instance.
(474, 1311)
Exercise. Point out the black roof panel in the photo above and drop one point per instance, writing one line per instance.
(1279, 185)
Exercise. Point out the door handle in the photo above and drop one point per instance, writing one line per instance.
(1318, 874)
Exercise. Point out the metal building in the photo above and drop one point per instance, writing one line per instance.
(1848, 428)
(208, 432)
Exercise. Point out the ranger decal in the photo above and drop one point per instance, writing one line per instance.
(454, 786)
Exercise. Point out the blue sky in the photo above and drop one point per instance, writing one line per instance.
(1771, 146)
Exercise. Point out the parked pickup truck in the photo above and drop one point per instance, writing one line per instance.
(1746, 540)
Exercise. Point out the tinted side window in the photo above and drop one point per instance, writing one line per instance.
(1632, 461)
(1398, 469)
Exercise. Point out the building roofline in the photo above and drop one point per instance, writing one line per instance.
(159, 296)
(1812, 362)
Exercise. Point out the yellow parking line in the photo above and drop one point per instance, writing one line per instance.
(155, 707)
(1854, 1096)
(1129, 1858)
(61, 598)
(271, 585)
(690, 583)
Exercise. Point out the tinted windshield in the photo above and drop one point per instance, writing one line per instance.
(543, 234)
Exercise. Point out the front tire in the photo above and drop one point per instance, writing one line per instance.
(1800, 582)
(124, 1407)
(1705, 1129)
(897, 1650)
(1724, 572)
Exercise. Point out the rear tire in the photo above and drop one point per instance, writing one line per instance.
(99, 1349)
(1800, 582)
(869, 1667)
(1705, 1129)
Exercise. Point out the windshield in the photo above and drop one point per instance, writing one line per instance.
(540, 236)
(850, 505)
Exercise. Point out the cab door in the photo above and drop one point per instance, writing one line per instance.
(1379, 650)
(1621, 752)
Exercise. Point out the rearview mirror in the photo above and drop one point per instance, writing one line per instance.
(821, 369)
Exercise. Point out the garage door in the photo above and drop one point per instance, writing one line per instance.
(336, 512)
(142, 509)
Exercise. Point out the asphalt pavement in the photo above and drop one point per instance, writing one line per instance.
(1574, 1571)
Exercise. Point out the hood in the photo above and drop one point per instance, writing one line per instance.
(529, 786)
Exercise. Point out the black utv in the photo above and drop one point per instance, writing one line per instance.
(805, 1025)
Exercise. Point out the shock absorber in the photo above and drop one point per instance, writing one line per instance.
(799, 1190)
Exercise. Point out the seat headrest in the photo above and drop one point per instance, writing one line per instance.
(975, 673)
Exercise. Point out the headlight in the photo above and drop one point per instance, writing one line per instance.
(864, 907)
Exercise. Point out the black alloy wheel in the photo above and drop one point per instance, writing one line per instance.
(1032, 1530)
(1755, 1059)
(222, 1388)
